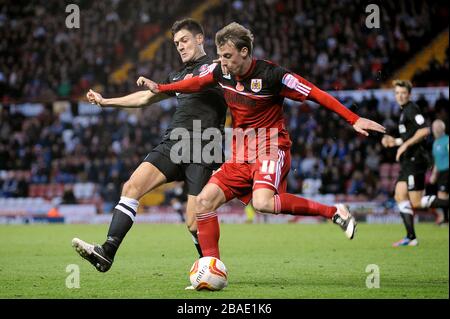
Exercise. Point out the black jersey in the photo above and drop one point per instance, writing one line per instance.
(208, 106)
(411, 120)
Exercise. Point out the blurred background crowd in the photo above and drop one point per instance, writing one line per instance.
(324, 41)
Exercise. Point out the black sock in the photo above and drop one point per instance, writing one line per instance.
(432, 201)
(440, 203)
(408, 220)
(197, 245)
(120, 225)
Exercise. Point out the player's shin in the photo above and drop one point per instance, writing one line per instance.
(407, 214)
(123, 217)
(209, 234)
(290, 204)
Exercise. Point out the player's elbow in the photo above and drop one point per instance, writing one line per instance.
(416, 203)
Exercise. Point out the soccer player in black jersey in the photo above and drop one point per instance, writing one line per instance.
(157, 168)
(414, 159)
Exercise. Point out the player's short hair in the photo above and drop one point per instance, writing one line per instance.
(189, 24)
(403, 83)
(236, 34)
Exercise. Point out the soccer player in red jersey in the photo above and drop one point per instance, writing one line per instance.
(254, 91)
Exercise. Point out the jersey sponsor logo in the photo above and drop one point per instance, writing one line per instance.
(204, 67)
(256, 85)
(239, 87)
(402, 128)
(188, 76)
(419, 119)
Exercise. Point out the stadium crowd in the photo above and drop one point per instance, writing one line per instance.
(321, 40)
(327, 156)
(41, 59)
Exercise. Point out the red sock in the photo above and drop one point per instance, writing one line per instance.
(290, 204)
(208, 234)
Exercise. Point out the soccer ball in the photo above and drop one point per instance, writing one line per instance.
(208, 273)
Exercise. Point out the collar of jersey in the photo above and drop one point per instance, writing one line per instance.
(199, 60)
(249, 72)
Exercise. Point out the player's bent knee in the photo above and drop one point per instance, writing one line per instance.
(202, 205)
(263, 205)
(130, 189)
(416, 204)
(400, 197)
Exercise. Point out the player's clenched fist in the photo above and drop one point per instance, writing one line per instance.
(152, 86)
(94, 97)
(388, 141)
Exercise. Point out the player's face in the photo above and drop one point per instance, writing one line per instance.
(401, 95)
(231, 58)
(189, 46)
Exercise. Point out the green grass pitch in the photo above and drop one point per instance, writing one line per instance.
(292, 261)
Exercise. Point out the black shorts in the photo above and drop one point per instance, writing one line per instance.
(414, 176)
(442, 181)
(194, 175)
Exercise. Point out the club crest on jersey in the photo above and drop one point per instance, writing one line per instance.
(256, 85)
(188, 76)
(239, 87)
(203, 68)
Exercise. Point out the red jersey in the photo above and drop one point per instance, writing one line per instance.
(256, 103)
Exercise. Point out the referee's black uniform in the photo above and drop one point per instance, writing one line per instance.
(416, 159)
(207, 106)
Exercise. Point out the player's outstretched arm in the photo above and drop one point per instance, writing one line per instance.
(363, 125)
(360, 124)
(192, 85)
(136, 99)
(297, 88)
(152, 86)
(390, 141)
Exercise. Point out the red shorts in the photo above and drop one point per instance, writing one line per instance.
(241, 179)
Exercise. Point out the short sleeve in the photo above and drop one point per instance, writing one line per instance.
(415, 116)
